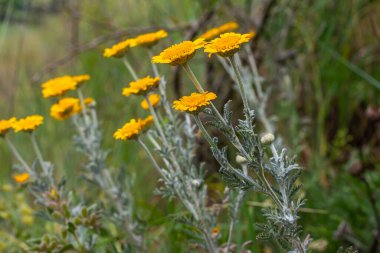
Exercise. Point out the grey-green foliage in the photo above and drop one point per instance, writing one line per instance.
(181, 177)
(88, 140)
(262, 160)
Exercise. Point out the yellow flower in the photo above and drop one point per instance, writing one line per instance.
(227, 44)
(28, 124)
(179, 54)
(145, 123)
(89, 101)
(21, 178)
(81, 79)
(195, 102)
(212, 33)
(130, 130)
(141, 86)
(60, 85)
(118, 50)
(154, 100)
(6, 125)
(148, 39)
(65, 108)
(133, 128)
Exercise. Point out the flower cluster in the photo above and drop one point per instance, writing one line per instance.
(180, 53)
(227, 44)
(61, 85)
(118, 50)
(6, 125)
(28, 124)
(133, 128)
(154, 99)
(147, 40)
(212, 33)
(141, 86)
(195, 102)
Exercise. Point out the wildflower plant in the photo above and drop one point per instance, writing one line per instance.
(166, 132)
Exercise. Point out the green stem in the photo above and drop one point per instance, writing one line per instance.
(147, 151)
(193, 78)
(130, 69)
(156, 120)
(84, 108)
(161, 88)
(232, 61)
(18, 156)
(38, 152)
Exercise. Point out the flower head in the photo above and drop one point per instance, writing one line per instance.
(65, 108)
(141, 86)
(195, 102)
(148, 39)
(6, 125)
(154, 100)
(60, 85)
(179, 54)
(133, 128)
(227, 44)
(145, 123)
(21, 178)
(80, 79)
(118, 50)
(267, 138)
(212, 33)
(28, 124)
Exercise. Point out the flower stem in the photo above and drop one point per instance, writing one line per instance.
(161, 88)
(130, 69)
(156, 120)
(193, 78)
(234, 217)
(38, 153)
(147, 151)
(18, 156)
(84, 108)
(233, 63)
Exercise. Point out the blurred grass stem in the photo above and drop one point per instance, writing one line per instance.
(130, 68)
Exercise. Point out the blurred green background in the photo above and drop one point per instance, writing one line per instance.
(319, 57)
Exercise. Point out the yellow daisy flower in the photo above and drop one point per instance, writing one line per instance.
(130, 130)
(149, 39)
(118, 50)
(154, 100)
(81, 79)
(195, 102)
(58, 86)
(65, 108)
(6, 125)
(21, 178)
(89, 101)
(227, 44)
(179, 54)
(212, 33)
(145, 123)
(28, 124)
(141, 86)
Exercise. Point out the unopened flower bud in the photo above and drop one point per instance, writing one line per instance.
(267, 138)
(240, 159)
(196, 182)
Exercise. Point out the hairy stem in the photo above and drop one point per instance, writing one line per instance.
(130, 69)
(18, 156)
(232, 61)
